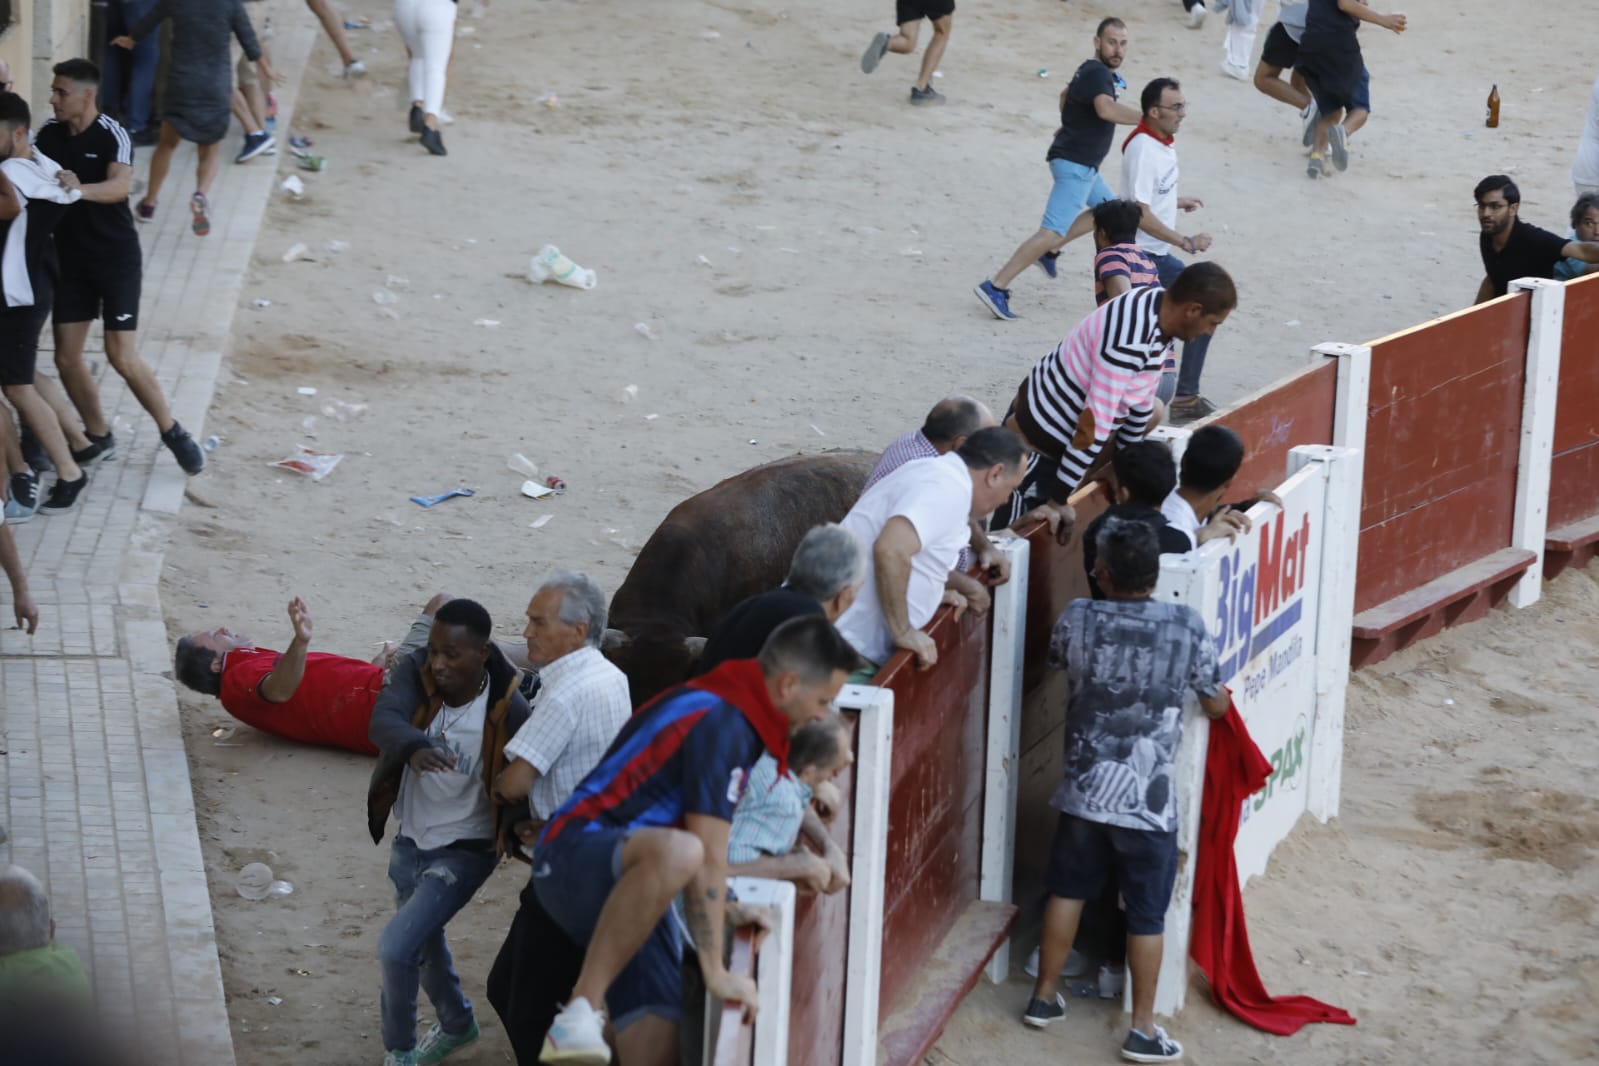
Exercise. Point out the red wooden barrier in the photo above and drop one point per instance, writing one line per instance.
(1442, 442)
(935, 797)
(821, 956)
(1296, 410)
(1574, 475)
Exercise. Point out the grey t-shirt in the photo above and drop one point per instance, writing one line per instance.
(1129, 665)
(1292, 16)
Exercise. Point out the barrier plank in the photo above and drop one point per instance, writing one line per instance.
(1574, 475)
(1442, 441)
(1297, 410)
(935, 812)
(821, 929)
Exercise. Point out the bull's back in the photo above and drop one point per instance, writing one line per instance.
(735, 540)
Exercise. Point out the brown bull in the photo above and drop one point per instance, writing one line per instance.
(715, 549)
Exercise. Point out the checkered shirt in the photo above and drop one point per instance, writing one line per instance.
(581, 705)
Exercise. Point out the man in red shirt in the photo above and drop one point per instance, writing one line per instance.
(311, 697)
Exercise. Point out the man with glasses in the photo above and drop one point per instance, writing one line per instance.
(1514, 249)
(1149, 179)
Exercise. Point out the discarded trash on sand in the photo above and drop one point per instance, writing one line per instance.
(550, 265)
(430, 501)
(307, 463)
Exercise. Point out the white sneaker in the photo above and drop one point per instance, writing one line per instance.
(445, 118)
(1112, 979)
(577, 1037)
(354, 68)
(1196, 16)
(1233, 70)
(1076, 964)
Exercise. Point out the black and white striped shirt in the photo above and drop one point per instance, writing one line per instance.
(1101, 379)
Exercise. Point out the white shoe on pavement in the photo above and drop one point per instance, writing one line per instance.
(577, 1037)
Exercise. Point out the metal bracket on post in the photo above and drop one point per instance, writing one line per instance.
(1539, 397)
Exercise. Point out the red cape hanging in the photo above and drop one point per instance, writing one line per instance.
(741, 683)
(1234, 771)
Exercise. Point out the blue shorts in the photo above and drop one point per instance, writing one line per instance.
(1362, 97)
(1076, 187)
(573, 876)
(1145, 861)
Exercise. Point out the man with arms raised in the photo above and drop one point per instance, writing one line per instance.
(652, 821)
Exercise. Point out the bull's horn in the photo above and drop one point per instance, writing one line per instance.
(614, 640)
(695, 646)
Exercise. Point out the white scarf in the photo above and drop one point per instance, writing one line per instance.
(33, 179)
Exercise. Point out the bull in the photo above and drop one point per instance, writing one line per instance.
(716, 549)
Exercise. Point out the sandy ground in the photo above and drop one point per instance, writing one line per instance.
(802, 245)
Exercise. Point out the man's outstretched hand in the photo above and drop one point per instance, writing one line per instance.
(300, 619)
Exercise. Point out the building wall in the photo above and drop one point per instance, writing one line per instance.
(60, 30)
(16, 45)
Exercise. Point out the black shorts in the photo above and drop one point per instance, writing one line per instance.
(19, 340)
(1332, 67)
(1085, 853)
(1281, 51)
(82, 295)
(916, 10)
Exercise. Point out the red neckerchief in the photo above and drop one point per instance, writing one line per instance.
(741, 683)
(1144, 127)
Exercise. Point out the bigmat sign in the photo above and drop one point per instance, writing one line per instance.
(1264, 619)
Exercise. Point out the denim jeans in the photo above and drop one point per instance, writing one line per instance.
(429, 887)
(1193, 361)
(140, 66)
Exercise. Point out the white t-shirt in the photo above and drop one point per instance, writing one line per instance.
(934, 496)
(436, 809)
(1149, 176)
(1585, 169)
(1180, 516)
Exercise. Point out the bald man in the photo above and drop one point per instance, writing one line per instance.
(945, 429)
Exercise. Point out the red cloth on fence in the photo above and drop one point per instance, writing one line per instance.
(1235, 770)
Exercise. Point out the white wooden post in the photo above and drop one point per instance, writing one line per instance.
(1195, 580)
(774, 970)
(868, 867)
(1342, 470)
(1354, 392)
(1538, 399)
(1009, 637)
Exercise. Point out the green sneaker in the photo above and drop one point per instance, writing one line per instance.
(436, 1044)
(400, 1058)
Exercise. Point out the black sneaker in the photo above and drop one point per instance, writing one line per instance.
(1040, 1012)
(24, 501)
(433, 141)
(417, 125)
(148, 137)
(255, 144)
(184, 449)
(99, 448)
(64, 495)
(928, 95)
(33, 452)
(1158, 1048)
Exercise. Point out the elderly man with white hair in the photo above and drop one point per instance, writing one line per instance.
(581, 703)
(32, 963)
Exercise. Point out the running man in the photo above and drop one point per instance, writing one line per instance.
(1149, 179)
(1280, 53)
(1330, 60)
(1089, 114)
(101, 263)
(908, 15)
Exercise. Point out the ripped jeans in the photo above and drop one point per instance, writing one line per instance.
(429, 887)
